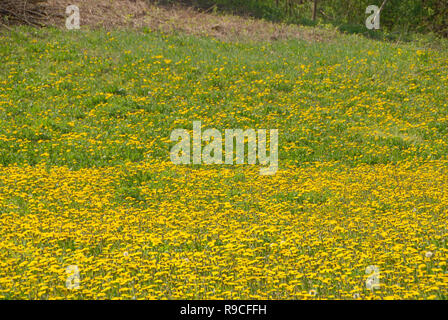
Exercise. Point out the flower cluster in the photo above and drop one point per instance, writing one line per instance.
(87, 185)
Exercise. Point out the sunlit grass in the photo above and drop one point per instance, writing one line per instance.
(85, 177)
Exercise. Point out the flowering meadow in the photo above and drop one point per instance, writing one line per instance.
(86, 178)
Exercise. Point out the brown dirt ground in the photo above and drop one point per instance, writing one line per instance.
(112, 14)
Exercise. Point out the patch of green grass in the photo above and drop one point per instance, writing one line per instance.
(107, 98)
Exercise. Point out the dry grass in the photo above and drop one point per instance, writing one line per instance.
(111, 14)
(21, 11)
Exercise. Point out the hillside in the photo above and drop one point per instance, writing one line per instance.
(86, 178)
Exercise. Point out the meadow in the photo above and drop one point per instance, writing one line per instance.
(86, 177)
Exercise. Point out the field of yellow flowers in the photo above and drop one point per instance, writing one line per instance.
(86, 178)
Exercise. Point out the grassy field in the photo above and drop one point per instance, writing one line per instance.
(86, 177)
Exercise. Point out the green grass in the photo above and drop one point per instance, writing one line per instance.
(74, 101)
(91, 98)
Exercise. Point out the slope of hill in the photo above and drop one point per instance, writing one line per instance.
(86, 178)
